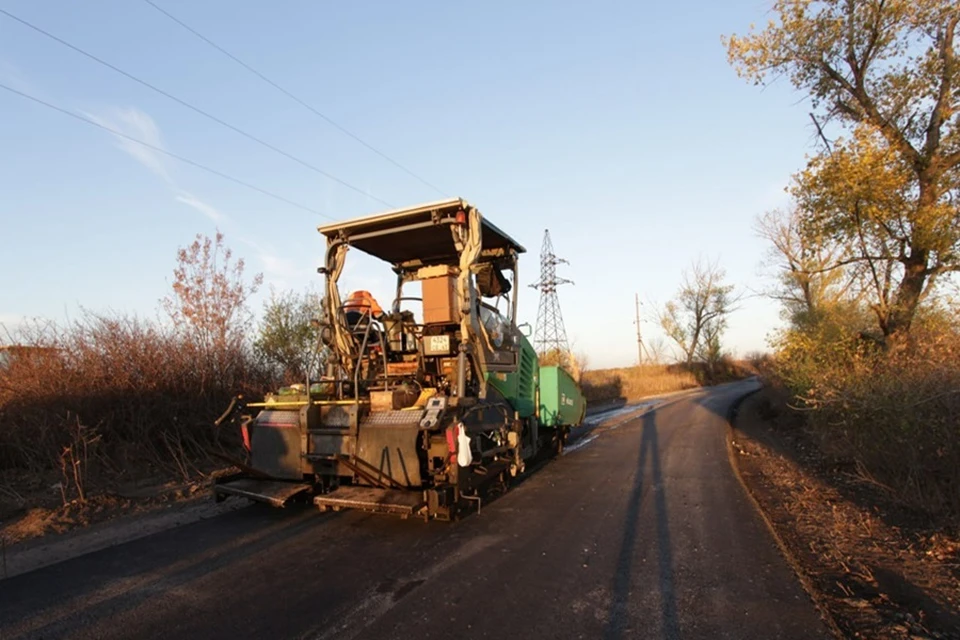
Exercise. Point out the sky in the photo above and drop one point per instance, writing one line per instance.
(618, 126)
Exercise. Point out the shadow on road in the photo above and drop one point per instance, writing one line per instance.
(150, 571)
(618, 617)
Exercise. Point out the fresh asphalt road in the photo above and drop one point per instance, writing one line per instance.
(642, 531)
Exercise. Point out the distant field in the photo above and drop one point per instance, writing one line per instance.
(631, 383)
(609, 385)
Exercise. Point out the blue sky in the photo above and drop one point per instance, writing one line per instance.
(617, 125)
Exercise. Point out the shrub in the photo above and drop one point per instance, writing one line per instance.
(119, 396)
(894, 414)
(288, 341)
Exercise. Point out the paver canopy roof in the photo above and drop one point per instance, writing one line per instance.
(417, 236)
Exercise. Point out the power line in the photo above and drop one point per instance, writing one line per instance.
(296, 99)
(198, 110)
(164, 151)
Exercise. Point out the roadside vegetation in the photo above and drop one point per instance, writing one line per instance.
(865, 257)
(288, 337)
(627, 384)
(631, 383)
(96, 407)
(854, 451)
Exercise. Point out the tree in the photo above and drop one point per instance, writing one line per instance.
(288, 338)
(697, 317)
(574, 363)
(857, 198)
(888, 70)
(657, 350)
(809, 282)
(208, 301)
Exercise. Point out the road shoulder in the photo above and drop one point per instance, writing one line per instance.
(50, 549)
(875, 570)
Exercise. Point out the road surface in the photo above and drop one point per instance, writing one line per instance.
(640, 530)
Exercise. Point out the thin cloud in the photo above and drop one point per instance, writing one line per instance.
(137, 124)
(140, 125)
(12, 75)
(208, 210)
(279, 266)
(279, 271)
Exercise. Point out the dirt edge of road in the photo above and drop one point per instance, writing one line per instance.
(873, 569)
(819, 602)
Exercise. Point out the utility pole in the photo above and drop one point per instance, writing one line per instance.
(636, 298)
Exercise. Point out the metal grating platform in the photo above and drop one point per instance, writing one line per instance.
(396, 418)
(398, 502)
(272, 492)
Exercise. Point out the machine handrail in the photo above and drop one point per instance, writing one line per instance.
(363, 348)
(398, 300)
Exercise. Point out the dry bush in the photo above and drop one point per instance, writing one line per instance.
(893, 415)
(114, 398)
(574, 363)
(631, 383)
(759, 364)
(724, 369)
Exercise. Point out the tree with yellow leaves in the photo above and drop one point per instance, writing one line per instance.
(887, 71)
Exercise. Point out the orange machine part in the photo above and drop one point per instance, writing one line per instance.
(440, 300)
(361, 301)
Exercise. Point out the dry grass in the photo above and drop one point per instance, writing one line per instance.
(631, 383)
(608, 385)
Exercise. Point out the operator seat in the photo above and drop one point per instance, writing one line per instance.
(360, 310)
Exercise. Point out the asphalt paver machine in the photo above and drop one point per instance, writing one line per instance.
(422, 408)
